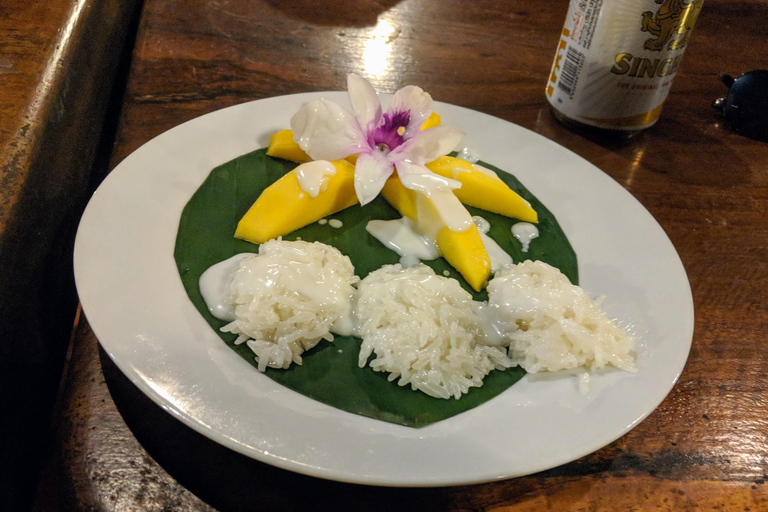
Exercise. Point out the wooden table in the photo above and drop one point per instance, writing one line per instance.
(58, 61)
(704, 448)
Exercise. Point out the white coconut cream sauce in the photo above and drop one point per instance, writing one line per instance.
(499, 256)
(214, 286)
(442, 207)
(347, 324)
(406, 239)
(436, 204)
(334, 223)
(525, 232)
(486, 171)
(483, 226)
(313, 282)
(466, 151)
(456, 171)
(313, 176)
(400, 236)
(490, 327)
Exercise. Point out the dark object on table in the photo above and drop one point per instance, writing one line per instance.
(746, 105)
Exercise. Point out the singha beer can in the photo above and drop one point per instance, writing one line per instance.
(615, 62)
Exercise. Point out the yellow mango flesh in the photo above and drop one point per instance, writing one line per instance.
(483, 191)
(463, 250)
(466, 253)
(284, 207)
(401, 198)
(281, 145)
(432, 121)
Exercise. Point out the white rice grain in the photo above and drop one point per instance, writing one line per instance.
(287, 298)
(550, 324)
(421, 328)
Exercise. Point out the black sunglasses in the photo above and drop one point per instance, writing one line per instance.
(745, 107)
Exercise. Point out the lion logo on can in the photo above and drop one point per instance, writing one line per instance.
(671, 24)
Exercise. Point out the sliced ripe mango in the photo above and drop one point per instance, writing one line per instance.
(281, 145)
(464, 250)
(432, 121)
(402, 199)
(483, 191)
(466, 253)
(284, 207)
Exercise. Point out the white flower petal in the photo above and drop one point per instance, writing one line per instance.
(371, 173)
(325, 131)
(414, 100)
(365, 102)
(428, 145)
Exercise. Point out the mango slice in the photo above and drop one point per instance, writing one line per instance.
(463, 250)
(284, 207)
(432, 121)
(281, 145)
(402, 199)
(482, 190)
(466, 253)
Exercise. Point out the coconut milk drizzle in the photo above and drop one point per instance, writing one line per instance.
(313, 176)
(525, 232)
(214, 286)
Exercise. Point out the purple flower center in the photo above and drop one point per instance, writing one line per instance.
(389, 134)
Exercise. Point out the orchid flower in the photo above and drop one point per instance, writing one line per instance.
(383, 141)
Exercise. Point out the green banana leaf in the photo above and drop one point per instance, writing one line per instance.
(329, 372)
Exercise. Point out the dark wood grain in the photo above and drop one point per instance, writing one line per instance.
(704, 448)
(58, 60)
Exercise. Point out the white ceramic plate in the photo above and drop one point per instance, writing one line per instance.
(135, 303)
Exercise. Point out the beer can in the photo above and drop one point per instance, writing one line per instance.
(616, 60)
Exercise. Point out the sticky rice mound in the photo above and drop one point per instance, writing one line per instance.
(421, 328)
(550, 324)
(287, 297)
